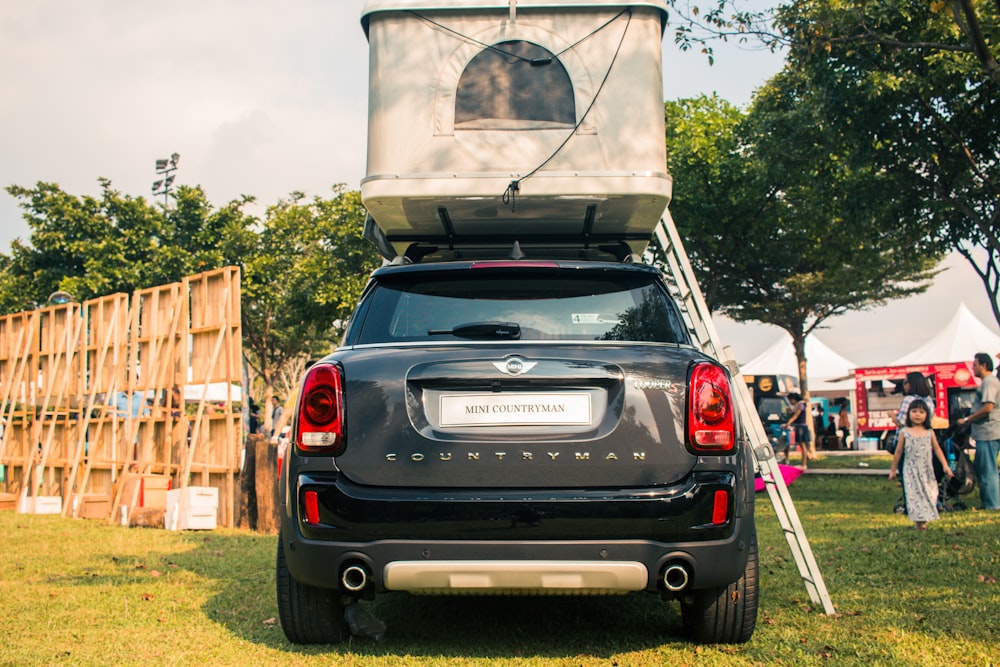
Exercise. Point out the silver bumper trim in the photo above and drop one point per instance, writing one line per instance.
(504, 577)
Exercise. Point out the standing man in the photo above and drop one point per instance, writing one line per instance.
(797, 423)
(985, 423)
(844, 425)
(276, 412)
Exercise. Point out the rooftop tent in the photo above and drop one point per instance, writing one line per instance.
(515, 119)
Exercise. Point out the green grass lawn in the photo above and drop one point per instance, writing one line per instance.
(84, 593)
(856, 460)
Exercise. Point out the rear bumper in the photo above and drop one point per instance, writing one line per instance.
(518, 542)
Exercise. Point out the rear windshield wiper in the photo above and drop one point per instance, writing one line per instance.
(502, 330)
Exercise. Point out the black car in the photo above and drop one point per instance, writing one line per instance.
(517, 427)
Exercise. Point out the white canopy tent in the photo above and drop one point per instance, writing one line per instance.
(826, 369)
(963, 336)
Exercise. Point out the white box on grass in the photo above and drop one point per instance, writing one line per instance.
(40, 505)
(867, 444)
(192, 508)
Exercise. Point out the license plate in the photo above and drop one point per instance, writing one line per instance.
(515, 409)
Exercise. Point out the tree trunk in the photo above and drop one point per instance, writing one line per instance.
(266, 486)
(248, 484)
(799, 343)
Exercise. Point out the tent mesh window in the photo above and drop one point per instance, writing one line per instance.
(514, 85)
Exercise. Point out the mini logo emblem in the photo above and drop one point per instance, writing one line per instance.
(514, 366)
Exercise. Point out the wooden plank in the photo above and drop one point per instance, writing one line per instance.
(61, 367)
(106, 322)
(16, 393)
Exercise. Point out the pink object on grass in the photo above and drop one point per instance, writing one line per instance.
(788, 473)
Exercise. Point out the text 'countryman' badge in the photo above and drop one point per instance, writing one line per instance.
(514, 409)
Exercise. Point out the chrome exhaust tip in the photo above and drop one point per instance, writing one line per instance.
(354, 578)
(675, 577)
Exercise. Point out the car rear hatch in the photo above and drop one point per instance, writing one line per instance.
(524, 376)
(576, 417)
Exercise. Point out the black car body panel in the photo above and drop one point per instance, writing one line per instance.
(503, 413)
(396, 438)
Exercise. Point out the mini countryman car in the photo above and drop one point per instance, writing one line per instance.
(517, 426)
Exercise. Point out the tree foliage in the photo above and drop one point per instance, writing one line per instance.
(94, 246)
(966, 27)
(779, 229)
(913, 90)
(303, 270)
(303, 265)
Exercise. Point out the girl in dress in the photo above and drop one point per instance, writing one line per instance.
(921, 446)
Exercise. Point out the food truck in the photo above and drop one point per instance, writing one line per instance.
(769, 392)
(880, 390)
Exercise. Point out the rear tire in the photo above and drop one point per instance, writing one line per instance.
(309, 615)
(726, 615)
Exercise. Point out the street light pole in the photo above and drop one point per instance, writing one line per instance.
(166, 169)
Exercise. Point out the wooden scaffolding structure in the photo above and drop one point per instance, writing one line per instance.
(104, 401)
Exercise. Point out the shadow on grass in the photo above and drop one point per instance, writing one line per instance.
(472, 627)
(887, 581)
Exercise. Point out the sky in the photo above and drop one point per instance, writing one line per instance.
(264, 99)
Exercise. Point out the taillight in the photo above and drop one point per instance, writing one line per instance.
(711, 423)
(320, 424)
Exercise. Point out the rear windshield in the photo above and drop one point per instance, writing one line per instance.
(488, 305)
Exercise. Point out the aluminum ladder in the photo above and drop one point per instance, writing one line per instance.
(680, 276)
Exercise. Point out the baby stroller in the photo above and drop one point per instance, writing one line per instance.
(964, 481)
(780, 441)
(783, 441)
(953, 443)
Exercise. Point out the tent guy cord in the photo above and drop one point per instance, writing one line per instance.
(533, 61)
(510, 194)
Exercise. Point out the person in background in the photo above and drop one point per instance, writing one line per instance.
(915, 386)
(276, 412)
(819, 420)
(130, 403)
(844, 424)
(176, 401)
(985, 423)
(797, 421)
(254, 415)
(920, 444)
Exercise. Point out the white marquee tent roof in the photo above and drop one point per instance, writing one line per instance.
(822, 364)
(963, 336)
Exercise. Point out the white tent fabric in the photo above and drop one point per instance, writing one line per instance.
(962, 337)
(822, 364)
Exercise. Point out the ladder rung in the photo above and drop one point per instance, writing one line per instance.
(681, 280)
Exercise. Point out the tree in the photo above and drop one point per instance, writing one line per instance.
(913, 89)
(94, 246)
(779, 229)
(969, 26)
(303, 269)
(962, 31)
